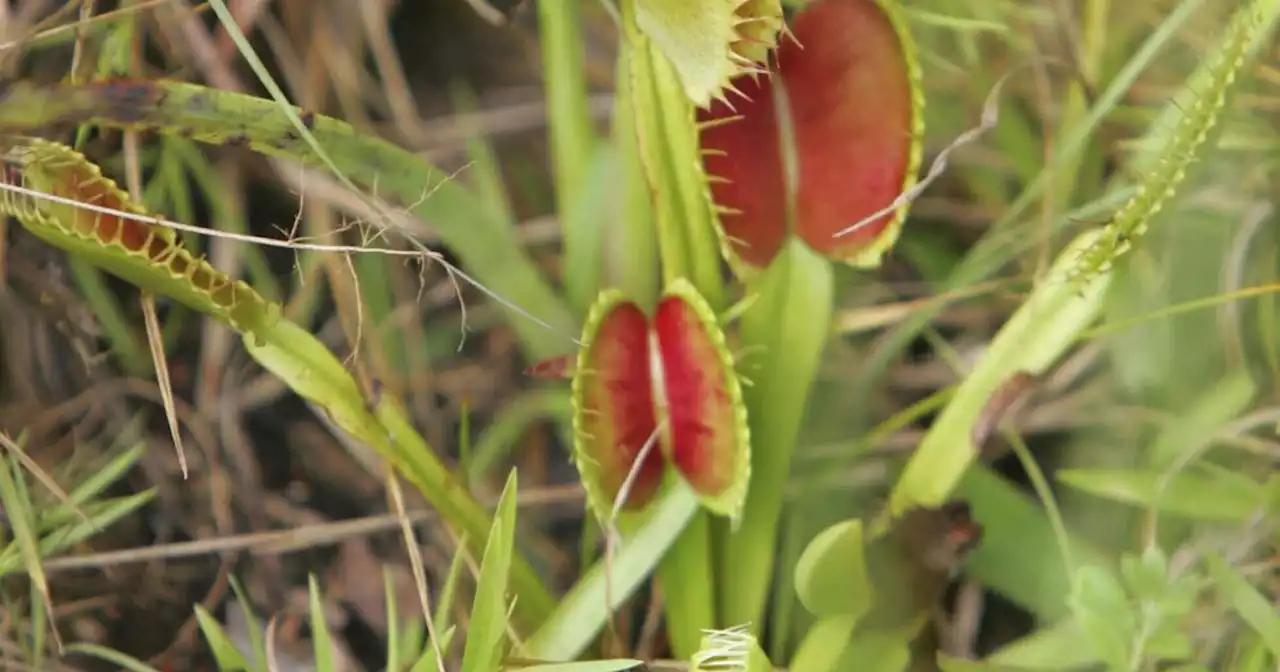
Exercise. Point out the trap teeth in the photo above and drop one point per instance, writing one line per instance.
(854, 120)
(662, 390)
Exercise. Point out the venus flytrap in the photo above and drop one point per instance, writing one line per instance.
(711, 42)
(651, 390)
(791, 163)
(62, 198)
(1162, 170)
(680, 55)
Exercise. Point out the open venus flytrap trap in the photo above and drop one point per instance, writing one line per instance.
(651, 391)
(830, 135)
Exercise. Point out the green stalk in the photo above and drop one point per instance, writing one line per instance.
(572, 140)
(663, 117)
(789, 323)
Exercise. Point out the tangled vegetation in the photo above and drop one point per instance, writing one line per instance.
(814, 335)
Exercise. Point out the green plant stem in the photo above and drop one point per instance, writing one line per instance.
(312, 371)
(663, 118)
(572, 139)
(582, 613)
(789, 324)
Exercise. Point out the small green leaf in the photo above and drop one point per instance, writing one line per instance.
(1146, 575)
(487, 633)
(1053, 648)
(879, 650)
(1103, 613)
(321, 640)
(1255, 609)
(824, 643)
(1191, 494)
(831, 574)
(429, 662)
(125, 661)
(224, 650)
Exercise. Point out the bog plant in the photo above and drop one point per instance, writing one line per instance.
(748, 139)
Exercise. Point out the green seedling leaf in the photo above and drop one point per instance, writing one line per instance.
(225, 653)
(1104, 615)
(401, 637)
(668, 388)
(101, 515)
(584, 610)
(488, 630)
(257, 638)
(20, 515)
(1053, 648)
(102, 478)
(321, 640)
(125, 661)
(710, 42)
(444, 603)
(1146, 576)
(1252, 606)
(831, 574)
(825, 160)
(429, 662)
(1192, 494)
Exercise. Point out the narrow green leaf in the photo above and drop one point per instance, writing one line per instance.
(1252, 606)
(786, 329)
(1056, 647)
(224, 650)
(582, 612)
(429, 662)
(488, 628)
(1037, 335)
(1198, 496)
(321, 640)
(115, 657)
(824, 643)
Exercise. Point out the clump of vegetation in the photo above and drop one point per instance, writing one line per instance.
(856, 335)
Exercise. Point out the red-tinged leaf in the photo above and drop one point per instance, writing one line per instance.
(854, 123)
(699, 394)
(855, 107)
(743, 158)
(552, 368)
(613, 410)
